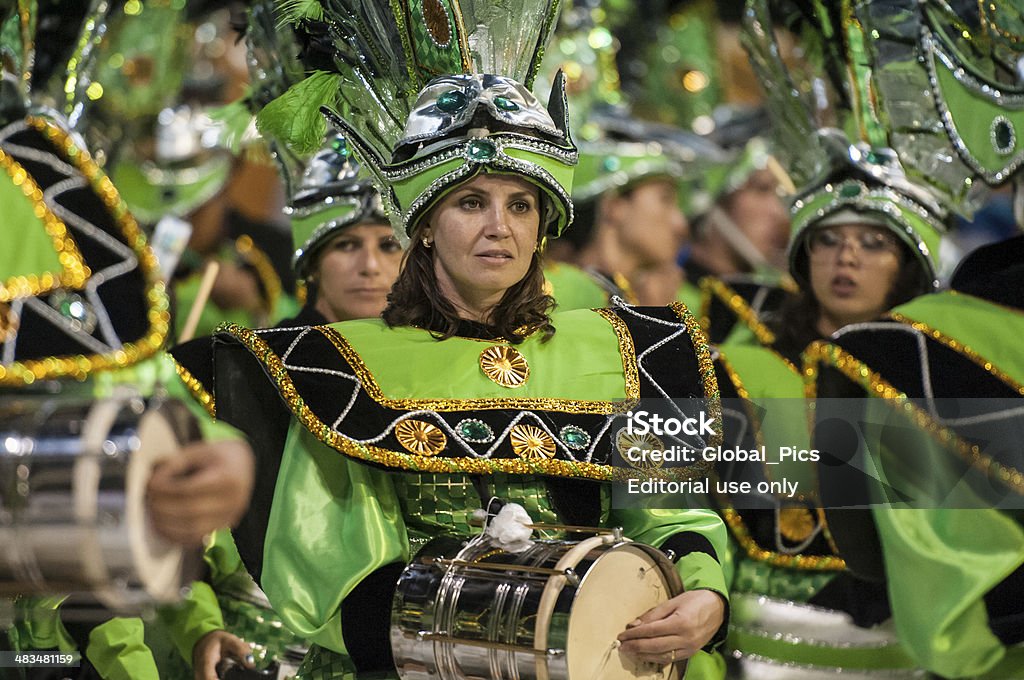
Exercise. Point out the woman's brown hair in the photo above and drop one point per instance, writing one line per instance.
(417, 300)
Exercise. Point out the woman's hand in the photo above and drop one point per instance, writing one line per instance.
(215, 647)
(675, 630)
(204, 488)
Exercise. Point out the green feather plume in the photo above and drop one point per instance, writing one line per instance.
(291, 11)
(294, 118)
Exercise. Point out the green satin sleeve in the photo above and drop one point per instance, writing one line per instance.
(118, 651)
(332, 522)
(37, 624)
(222, 557)
(192, 618)
(699, 570)
(945, 628)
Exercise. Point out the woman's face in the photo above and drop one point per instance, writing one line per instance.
(758, 211)
(355, 271)
(853, 268)
(652, 225)
(484, 234)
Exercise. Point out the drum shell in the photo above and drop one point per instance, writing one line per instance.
(477, 608)
(72, 472)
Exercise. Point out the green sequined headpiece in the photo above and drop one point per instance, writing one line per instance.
(872, 186)
(331, 194)
(431, 93)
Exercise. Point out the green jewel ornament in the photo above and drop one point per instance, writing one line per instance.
(505, 104)
(475, 431)
(574, 437)
(850, 190)
(481, 150)
(453, 101)
(1003, 136)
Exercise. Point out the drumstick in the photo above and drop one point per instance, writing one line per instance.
(205, 287)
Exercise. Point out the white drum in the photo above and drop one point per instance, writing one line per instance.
(73, 473)
(552, 612)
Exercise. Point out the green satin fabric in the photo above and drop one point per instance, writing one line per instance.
(989, 329)
(573, 288)
(939, 565)
(333, 521)
(36, 254)
(451, 369)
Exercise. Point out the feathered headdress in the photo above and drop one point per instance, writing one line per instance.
(430, 93)
(867, 166)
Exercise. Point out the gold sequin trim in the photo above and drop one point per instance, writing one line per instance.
(875, 385)
(79, 366)
(73, 270)
(529, 441)
(264, 269)
(627, 350)
(420, 437)
(197, 390)
(705, 367)
(440, 464)
(735, 302)
(756, 552)
(505, 366)
(9, 322)
(374, 391)
(960, 348)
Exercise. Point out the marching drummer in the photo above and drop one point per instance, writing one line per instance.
(468, 388)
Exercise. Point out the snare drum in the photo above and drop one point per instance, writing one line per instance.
(73, 473)
(552, 612)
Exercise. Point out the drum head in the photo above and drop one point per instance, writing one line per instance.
(621, 585)
(161, 566)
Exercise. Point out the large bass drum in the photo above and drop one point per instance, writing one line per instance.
(73, 473)
(551, 612)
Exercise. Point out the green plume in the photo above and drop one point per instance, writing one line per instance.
(292, 11)
(294, 118)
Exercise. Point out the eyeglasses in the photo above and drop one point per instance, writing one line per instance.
(869, 243)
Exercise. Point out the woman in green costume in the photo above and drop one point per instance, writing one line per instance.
(858, 248)
(469, 388)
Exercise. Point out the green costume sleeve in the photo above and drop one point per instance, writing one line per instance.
(698, 569)
(333, 521)
(967, 551)
(192, 618)
(222, 556)
(118, 651)
(37, 624)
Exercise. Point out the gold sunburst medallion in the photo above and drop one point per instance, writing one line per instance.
(420, 437)
(531, 442)
(505, 366)
(796, 523)
(635, 449)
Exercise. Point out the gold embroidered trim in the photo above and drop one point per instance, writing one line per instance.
(420, 437)
(735, 302)
(264, 269)
(73, 272)
(405, 461)
(754, 551)
(874, 384)
(705, 366)
(627, 350)
(374, 391)
(196, 389)
(529, 441)
(79, 366)
(737, 526)
(959, 348)
(505, 366)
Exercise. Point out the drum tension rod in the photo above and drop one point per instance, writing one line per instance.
(503, 646)
(571, 576)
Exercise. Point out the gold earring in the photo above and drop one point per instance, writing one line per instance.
(426, 242)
